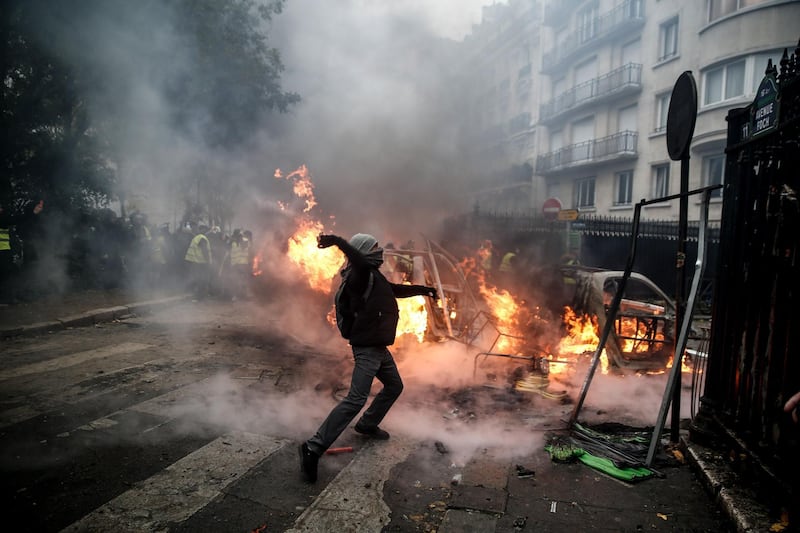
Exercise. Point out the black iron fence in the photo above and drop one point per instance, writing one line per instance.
(754, 355)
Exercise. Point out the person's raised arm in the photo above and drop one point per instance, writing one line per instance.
(356, 258)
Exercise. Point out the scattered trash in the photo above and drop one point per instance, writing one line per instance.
(523, 472)
(343, 449)
(440, 447)
(456, 479)
(520, 522)
(661, 516)
(553, 506)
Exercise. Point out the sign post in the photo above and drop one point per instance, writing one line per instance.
(681, 119)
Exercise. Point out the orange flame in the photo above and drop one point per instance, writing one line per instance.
(303, 187)
(413, 317)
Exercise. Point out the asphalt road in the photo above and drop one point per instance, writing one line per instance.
(189, 418)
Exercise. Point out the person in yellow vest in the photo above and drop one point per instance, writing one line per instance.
(508, 267)
(240, 264)
(7, 265)
(199, 262)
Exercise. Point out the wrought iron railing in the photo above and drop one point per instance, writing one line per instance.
(619, 144)
(628, 76)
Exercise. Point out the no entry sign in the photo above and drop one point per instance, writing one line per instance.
(550, 208)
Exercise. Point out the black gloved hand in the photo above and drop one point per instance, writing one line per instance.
(433, 293)
(326, 241)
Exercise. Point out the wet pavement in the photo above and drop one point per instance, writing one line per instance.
(426, 489)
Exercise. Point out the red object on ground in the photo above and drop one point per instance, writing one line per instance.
(334, 451)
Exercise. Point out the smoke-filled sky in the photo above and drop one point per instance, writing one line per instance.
(378, 123)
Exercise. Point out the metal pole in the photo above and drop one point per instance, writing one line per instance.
(685, 324)
(611, 315)
(680, 290)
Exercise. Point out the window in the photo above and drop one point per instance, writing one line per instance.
(724, 82)
(662, 108)
(714, 172)
(720, 8)
(587, 22)
(661, 181)
(668, 39)
(623, 188)
(632, 52)
(760, 62)
(584, 192)
(633, 9)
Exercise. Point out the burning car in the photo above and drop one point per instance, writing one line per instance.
(643, 334)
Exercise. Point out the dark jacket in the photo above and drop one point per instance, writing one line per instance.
(376, 320)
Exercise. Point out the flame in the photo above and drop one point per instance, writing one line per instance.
(319, 266)
(303, 186)
(581, 333)
(639, 338)
(413, 317)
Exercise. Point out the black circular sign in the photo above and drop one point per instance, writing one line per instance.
(681, 116)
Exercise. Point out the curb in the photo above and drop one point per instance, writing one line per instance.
(90, 318)
(739, 504)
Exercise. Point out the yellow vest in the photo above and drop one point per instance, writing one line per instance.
(194, 254)
(5, 239)
(157, 255)
(240, 252)
(505, 265)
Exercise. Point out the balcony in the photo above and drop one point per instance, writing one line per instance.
(624, 80)
(624, 18)
(615, 147)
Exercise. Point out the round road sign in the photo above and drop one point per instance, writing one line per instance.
(550, 208)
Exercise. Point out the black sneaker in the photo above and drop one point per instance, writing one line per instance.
(373, 432)
(308, 463)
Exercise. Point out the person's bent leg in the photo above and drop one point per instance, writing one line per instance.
(392, 388)
(366, 367)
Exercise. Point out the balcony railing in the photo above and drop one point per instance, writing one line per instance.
(625, 16)
(623, 80)
(618, 146)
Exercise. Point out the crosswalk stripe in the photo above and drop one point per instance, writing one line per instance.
(353, 501)
(73, 359)
(183, 488)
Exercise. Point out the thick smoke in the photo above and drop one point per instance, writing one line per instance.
(378, 130)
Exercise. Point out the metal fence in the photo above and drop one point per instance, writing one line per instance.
(754, 358)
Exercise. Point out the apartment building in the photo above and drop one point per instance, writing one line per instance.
(500, 75)
(606, 72)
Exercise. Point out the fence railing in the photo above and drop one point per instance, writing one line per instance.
(626, 77)
(622, 144)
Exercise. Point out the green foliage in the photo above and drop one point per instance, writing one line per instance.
(73, 79)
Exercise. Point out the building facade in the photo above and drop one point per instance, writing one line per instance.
(606, 69)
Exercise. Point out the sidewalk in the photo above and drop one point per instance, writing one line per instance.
(728, 491)
(79, 308)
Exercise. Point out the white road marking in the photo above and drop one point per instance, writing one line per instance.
(72, 359)
(353, 501)
(183, 488)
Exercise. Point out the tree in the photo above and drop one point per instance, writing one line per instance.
(75, 74)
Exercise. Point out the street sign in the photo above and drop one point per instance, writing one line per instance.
(568, 214)
(765, 108)
(550, 208)
(681, 117)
